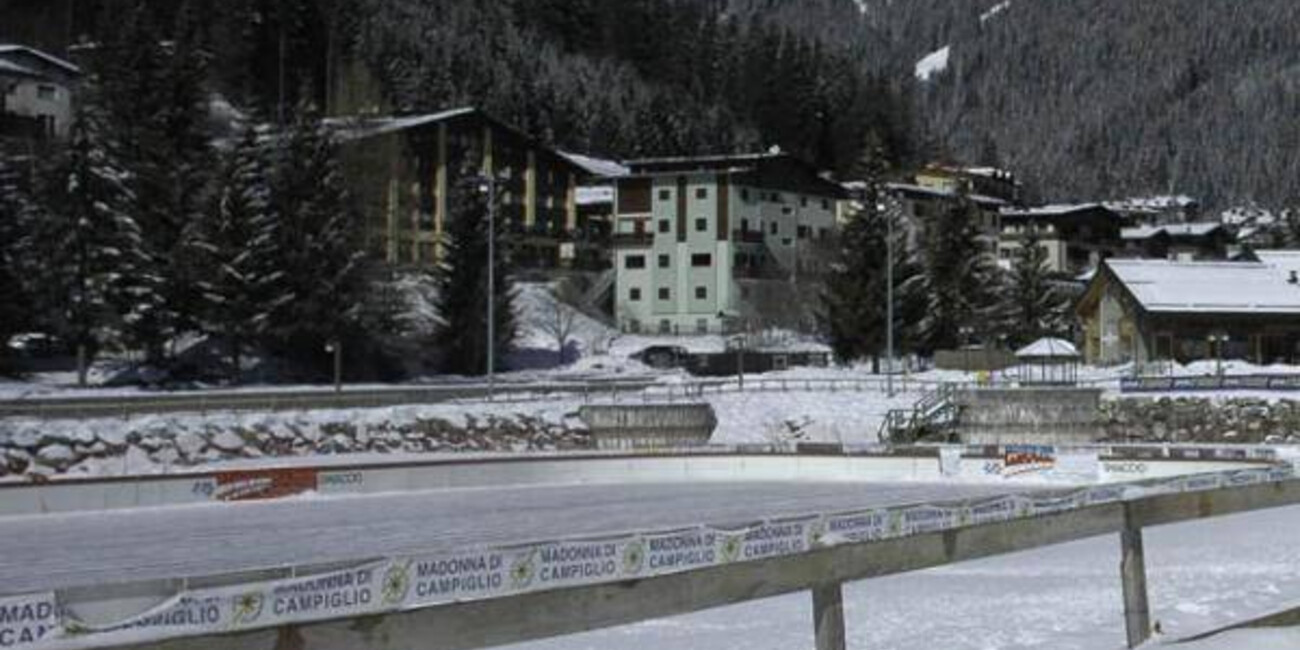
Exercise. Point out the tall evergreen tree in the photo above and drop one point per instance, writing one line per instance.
(463, 285)
(1033, 306)
(15, 220)
(319, 252)
(855, 299)
(154, 99)
(238, 242)
(97, 271)
(959, 279)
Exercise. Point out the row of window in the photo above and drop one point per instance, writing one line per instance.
(634, 294)
(698, 260)
(666, 327)
(702, 193)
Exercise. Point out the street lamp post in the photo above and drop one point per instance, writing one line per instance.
(336, 348)
(490, 182)
(1217, 341)
(887, 208)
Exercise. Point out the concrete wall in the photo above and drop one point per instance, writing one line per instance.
(1049, 416)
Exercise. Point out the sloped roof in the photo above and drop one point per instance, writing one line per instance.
(597, 166)
(1173, 230)
(9, 67)
(909, 188)
(1058, 210)
(1049, 348)
(1207, 287)
(13, 48)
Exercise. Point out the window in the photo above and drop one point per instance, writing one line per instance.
(803, 201)
(665, 195)
(634, 262)
(826, 204)
(665, 225)
(702, 326)
(665, 327)
(665, 261)
(803, 232)
(774, 197)
(701, 293)
(46, 91)
(701, 225)
(701, 259)
(634, 326)
(772, 228)
(665, 294)
(787, 211)
(744, 225)
(634, 294)
(744, 195)
(701, 192)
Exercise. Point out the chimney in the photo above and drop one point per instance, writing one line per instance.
(1295, 278)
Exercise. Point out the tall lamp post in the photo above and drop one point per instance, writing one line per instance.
(490, 183)
(886, 207)
(1217, 341)
(335, 347)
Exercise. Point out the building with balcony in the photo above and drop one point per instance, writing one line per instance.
(697, 239)
(400, 169)
(1077, 237)
(36, 93)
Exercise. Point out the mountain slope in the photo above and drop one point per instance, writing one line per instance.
(1104, 98)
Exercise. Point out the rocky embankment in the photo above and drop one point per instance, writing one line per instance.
(1184, 419)
(36, 449)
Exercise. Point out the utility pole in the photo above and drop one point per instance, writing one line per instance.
(492, 284)
(889, 296)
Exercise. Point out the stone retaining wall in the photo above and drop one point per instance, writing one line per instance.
(42, 449)
(1183, 419)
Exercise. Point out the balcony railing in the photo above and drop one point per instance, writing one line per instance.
(747, 236)
(633, 239)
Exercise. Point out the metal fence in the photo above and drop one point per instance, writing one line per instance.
(1154, 384)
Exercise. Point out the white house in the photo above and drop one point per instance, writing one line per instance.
(36, 92)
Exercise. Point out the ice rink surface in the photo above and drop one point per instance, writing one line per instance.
(43, 552)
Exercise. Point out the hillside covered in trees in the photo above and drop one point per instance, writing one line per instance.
(1086, 99)
(1099, 98)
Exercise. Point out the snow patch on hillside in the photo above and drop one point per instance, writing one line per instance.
(995, 10)
(933, 63)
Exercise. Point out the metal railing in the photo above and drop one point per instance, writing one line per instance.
(1158, 384)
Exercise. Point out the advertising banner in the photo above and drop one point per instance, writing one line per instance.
(25, 620)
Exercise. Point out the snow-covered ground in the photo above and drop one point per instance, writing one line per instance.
(1202, 575)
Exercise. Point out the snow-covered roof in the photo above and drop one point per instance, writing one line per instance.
(597, 166)
(945, 194)
(1049, 348)
(12, 48)
(596, 195)
(1207, 287)
(1056, 210)
(1173, 230)
(354, 128)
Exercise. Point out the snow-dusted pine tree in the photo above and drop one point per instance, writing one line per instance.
(1033, 305)
(960, 278)
(98, 271)
(854, 302)
(238, 246)
(319, 252)
(153, 97)
(16, 311)
(463, 281)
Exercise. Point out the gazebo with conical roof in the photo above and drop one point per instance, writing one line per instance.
(1049, 362)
